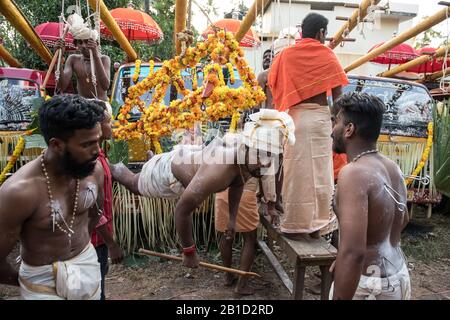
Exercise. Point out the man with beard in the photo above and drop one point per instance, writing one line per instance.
(371, 207)
(262, 78)
(193, 173)
(53, 203)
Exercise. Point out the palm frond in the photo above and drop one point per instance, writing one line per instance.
(442, 148)
(144, 222)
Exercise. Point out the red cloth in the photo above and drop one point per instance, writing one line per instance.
(107, 217)
(339, 161)
(302, 71)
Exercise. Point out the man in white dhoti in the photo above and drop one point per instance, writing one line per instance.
(370, 203)
(53, 203)
(193, 175)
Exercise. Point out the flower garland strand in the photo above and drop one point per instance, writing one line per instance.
(15, 156)
(425, 155)
(234, 121)
(137, 70)
(159, 120)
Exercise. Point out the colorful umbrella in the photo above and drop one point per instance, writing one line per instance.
(399, 54)
(431, 66)
(135, 24)
(49, 33)
(250, 39)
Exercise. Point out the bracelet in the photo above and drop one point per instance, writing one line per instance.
(189, 250)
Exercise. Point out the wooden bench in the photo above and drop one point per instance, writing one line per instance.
(302, 253)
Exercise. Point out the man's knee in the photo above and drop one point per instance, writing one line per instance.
(250, 236)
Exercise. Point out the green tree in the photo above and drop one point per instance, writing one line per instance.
(38, 11)
(211, 8)
(425, 39)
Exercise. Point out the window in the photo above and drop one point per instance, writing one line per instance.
(409, 106)
(16, 103)
(124, 81)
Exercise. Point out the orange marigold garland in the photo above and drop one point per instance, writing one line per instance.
(159, 120)
(425, 155)
(14, 157)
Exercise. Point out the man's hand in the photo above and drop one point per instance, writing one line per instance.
(191, 260)
(273, 213)
(115, 253)
(231, 231)
(92, 45)
(60, 44)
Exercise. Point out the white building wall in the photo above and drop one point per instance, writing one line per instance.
(279, 15)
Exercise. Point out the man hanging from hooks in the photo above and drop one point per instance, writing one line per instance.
(91, 68)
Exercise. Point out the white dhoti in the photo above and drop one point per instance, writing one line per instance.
(75, 279)
(395, 287)
(156, 179)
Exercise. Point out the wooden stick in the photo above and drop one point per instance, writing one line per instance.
(14, 15)
(416, 62)
(56, 57)
(404, 36)
(249, 18)
(9, 59)
(50, 68)
(116, 32)
(180, 22)
(352, 21)
(202, 264)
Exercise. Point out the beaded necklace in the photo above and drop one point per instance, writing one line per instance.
(56, 209)
(363, 154)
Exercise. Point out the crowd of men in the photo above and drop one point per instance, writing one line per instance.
(59, 206)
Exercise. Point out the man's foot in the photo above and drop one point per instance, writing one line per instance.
(314, 289)
(230, 279)
(246, 291)
(191, 260)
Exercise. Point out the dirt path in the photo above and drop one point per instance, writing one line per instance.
(152, 278)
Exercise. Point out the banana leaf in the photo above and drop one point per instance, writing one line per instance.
(441, 147)
(37, 103)
(118, 151)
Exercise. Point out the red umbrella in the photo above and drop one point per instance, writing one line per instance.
(250, 39)
(399, 54)
(49, 33)
(431, 66)
(135, 24)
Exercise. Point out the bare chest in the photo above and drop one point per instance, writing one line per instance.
(63, 205)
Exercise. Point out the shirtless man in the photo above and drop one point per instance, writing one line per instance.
(80, 64)
(193, 175)
(262, 78)
(370, 204)
(53, 203)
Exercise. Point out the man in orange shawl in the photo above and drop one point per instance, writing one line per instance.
(300, 77)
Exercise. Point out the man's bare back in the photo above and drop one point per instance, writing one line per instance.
(382, 180)
(29, 216)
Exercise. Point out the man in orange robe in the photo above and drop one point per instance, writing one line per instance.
(300, 77)
(339, 161)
